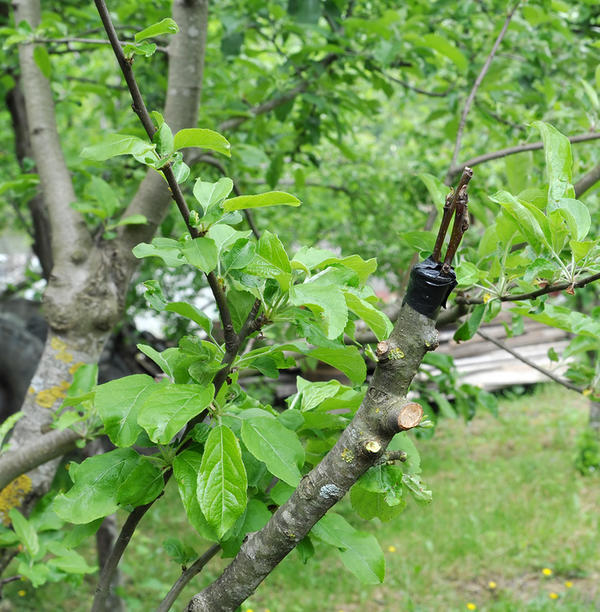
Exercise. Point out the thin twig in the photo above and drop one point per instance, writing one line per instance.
(554, 377)
(519, 297)
(406, 85)
(186, 576)
(478, 80)
(88, 41)
(532, 146)
(587, 181)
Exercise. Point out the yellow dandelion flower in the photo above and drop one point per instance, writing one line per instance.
(487, 297)
(249, 610)
(492, 584)
(553, 595)
(547, 571)
(568, 584)
(471, 606)
(391, 549)
(21, 593)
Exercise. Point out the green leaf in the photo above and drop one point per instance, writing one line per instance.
(467, 274)
(25, 532)
(270, 198)
(167, 249)
(418, 240)
(68, 561)
(168, 408)
(581, 249)
(413, 483)
(42, 59)
(240, 303)
(402, 442)
(347, 359)
(96, 482)
(327, 303)
(145, 48)
(121, 144)
(559, 162)
(445, 47)
(203, 139)
(99, 190)
(276, 446)
(240, 255)
(222, 480)
(309, 258)
(144, 484)
(163, 139)
(576, 215)
(531, 222)
(360, 552)
(131, 220)
(375, 319)
(257, 515)
(8, 424)
(370, 505)
(271, 260)
(166, 26)
(185, 470)
(211, 194)
(158, 359)
(201, 253)
(436, 188)
(118, 403)
(191, 312)
(468, 329)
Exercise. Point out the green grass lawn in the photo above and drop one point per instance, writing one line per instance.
(509, 508)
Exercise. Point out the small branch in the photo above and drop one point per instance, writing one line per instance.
(531, 364)
(532, 146)
(104, 582)
(186, 576)
(533, 294)
(478, 80)
(587, 181)
(432, 94)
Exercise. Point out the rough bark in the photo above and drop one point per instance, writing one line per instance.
(358, 448)
(86, 289)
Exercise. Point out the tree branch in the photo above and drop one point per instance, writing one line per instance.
(478, 80)
(532, 146)
(359, 447)
(186, 576)
(531, 364)
(519, 297)
(43, 448)
(587, 181)
(70, 236)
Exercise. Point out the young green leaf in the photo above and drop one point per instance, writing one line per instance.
(211, 194)
(271, 198)
(203, 139)
(168, 408)
(186, 467)
(166, 26)
(144, 484)
(275, 445)
(121, 144)
(42, 59)
(346, 359)
(327, 303)
(222, 480)
(191, 312)
(201, 253)
(118, 402)
(96, 482)
(377, 320)
(25, 532)
(360, 552)
(468, 329)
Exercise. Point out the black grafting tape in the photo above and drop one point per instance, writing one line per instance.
(429, 288)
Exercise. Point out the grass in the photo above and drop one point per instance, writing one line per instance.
(508, 504)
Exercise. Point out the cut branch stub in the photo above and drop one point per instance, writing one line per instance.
(407, 417)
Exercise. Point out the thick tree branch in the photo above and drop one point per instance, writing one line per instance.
(478, 81)
(42, 448)
(532, 146)
(587, 181)
(519, 297)
(359, 447)
(531, 364)
(186, 575)
(70, 237)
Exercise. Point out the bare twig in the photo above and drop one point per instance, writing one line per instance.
(531, 364)
(406, 85)
(478, 80)
(532, 146)
(519, 297)
(186, 576)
